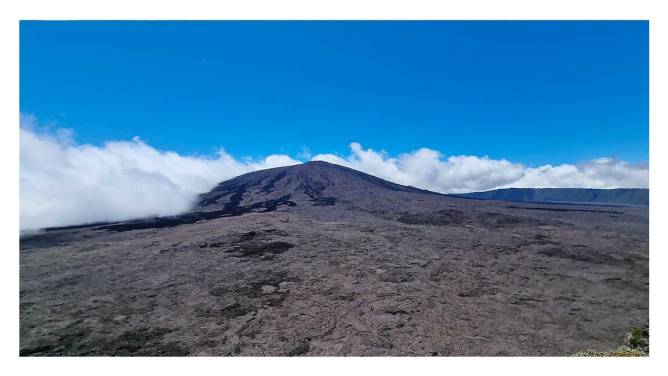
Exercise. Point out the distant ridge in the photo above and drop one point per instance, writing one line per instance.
(619, 196)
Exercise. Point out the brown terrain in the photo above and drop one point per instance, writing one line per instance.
(322, 260)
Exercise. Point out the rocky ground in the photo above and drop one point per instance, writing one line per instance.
(406, 273)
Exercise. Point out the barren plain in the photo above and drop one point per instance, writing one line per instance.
(321, 260)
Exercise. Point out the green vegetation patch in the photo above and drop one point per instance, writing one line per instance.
(636, 343)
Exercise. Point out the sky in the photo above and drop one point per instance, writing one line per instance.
(124, 120)
(532, 92)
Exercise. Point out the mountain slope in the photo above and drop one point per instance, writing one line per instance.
(310, 184)
(621, 196)
(321, 188)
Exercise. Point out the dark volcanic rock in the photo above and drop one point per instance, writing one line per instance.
(312, 184)
(439, 218)
(259, 250)
(319, 259)
(230, 209)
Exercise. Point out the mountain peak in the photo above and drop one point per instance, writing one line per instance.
(315, 183)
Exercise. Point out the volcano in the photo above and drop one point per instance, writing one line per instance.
(309, 184)
(320, 259)
(304, 188)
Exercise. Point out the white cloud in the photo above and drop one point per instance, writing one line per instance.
(429, 169)
(65, 183)
(62, 183)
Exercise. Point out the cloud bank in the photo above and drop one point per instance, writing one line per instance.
(62, 183)
(65, 183)
(429, 169)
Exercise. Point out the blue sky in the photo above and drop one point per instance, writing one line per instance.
(531, 92)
